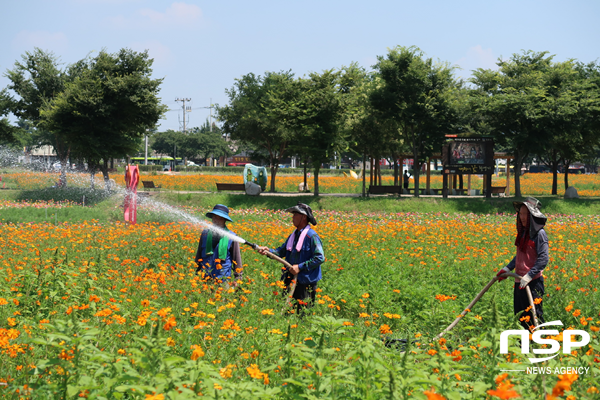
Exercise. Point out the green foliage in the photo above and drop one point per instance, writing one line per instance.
(418, 95)
(258, 113)
(37, 80)
(105, 110)
(197, 142)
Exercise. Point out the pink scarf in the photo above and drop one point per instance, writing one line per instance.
(290, 241)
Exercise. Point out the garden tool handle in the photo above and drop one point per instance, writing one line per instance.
(282, 261)
(485, 289)
(277, 258)
(529, 295)
(468, 309)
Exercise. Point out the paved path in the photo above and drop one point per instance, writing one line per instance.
(294, 194)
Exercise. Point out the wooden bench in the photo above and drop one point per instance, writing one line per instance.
(384, 189)
(231, 186)
(499, 190)
(150, 185)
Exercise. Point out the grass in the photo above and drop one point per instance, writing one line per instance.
(383, 204)
(102, 208)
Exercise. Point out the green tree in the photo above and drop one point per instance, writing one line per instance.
(198, 142)
(418, 95)
(105, 110)
(8, 133)
(168, 142)
(316, 118)
(36, 80)
(369, 134)
(258, 114)
(513, 101)
(203, 142)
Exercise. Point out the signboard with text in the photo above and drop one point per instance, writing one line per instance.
(468, 156)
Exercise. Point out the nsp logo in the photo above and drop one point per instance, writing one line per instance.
(536, 336)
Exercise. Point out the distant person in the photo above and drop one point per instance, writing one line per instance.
(304, 250)
(218, 256)
(405, 179)
(531, 259)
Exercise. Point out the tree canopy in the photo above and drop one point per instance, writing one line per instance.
(105, 110)
(259, 112)
(417, 94)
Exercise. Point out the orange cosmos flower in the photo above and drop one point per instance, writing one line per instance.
(385, 329)
(432, 395)
(197, 353)
(171, 323)
(504, 388)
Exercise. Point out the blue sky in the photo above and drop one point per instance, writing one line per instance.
(201, 47)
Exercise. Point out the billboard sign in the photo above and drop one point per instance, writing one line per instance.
(468, 156)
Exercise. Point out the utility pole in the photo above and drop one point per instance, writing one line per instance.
(185, 109)
(210, 113)
(210, 107)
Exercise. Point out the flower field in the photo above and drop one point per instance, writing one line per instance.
(109, 310)
(531, 184)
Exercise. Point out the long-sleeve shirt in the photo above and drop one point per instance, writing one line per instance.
(541, 248)
(309, 258)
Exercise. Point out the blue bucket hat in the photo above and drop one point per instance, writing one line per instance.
(221, 211)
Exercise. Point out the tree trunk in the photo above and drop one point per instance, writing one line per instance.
(416, 169)
(518, 163)
(274, 164)
(364, 178)
(104, 170)
(274, 168)
(395, 160)
(316, 187)
(62, 181)
(305, 181)
(370, 171)
(566, 164)
(554, 163)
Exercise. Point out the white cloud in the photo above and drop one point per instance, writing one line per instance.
(177, 15)
(56, 42)
(477, 57)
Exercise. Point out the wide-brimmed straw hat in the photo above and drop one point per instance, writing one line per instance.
(533, 205)
(303, 209)
(221, 211)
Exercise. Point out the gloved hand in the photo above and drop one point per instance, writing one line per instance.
(502, 271)
(525, 279)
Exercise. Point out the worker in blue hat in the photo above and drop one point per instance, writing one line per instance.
(218, 255)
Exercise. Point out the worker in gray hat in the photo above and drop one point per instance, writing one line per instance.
(304, 250)
(531, 259)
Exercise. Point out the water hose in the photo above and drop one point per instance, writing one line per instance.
(480, 295)
(282, 261)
